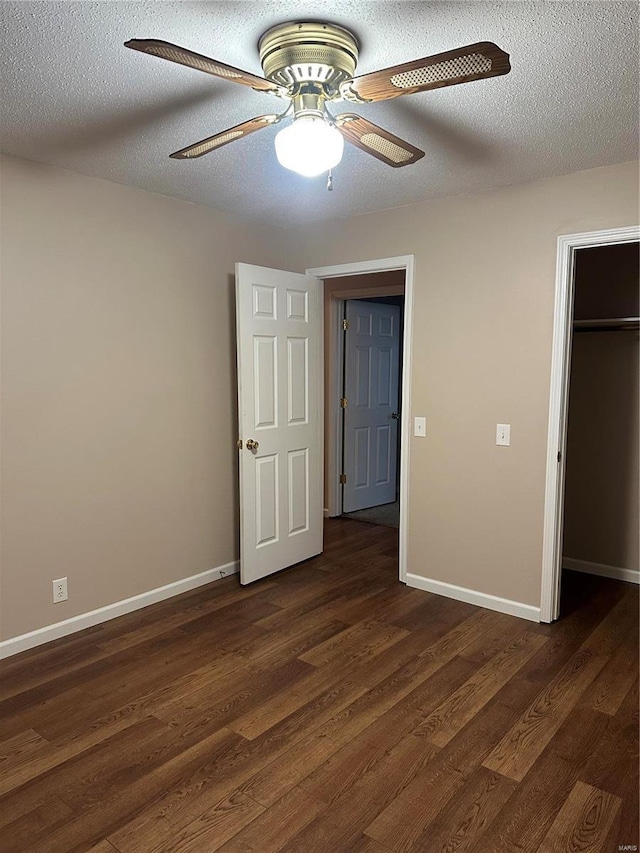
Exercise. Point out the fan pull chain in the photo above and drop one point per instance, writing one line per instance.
(330, 181)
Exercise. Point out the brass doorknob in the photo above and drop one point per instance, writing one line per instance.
(251, 444)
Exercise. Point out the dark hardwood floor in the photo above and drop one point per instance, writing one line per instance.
(326, 709)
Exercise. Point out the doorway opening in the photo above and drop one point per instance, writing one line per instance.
(357, 281)
(372, 407)
(591, 502)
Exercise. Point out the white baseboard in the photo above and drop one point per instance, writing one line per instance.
(615, 572)
(472, 596)
(15, 645)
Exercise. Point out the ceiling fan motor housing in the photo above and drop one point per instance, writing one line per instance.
(309, 58)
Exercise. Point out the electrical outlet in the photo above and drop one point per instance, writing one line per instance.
(60, 590)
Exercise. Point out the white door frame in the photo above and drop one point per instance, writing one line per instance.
(406, 263)
(568, 244)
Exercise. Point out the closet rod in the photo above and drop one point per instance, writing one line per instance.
(607, 324)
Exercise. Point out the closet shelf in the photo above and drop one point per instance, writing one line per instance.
(607, 324)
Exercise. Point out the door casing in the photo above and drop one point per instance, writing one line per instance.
(568, 245)
(406, 263)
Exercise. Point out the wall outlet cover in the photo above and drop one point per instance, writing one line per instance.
(60, 592)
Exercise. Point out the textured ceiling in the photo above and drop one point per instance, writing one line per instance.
(73, 96)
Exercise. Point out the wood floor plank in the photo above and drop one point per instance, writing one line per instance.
(98, 775)
(318, 746)
(386, 775)
(232, 770)
(53, 661)
(404, 821)
(567, 635)
(209, 831)
(365, 640)
(289, 641)
(369, 845)
(345, 767)
(546, 786)
(328, 709)
(460, 706)
(21, 749)
(462, 824)
(433, 610)
(504, 629)
(103, 846)
(25, 832)
(614, 682)
(246, 602)
(222, 707)
(80, 755)
(174, 776)
(583, 821)
(521, 746)
(613, 761)
(276, 826)
(403, 653)
(30, 799)
(615, 627)
(326, 606)
(264, 715)
(166, 658)
(609, 689)
(390, 605)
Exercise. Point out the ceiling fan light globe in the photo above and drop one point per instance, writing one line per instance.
(309, 146)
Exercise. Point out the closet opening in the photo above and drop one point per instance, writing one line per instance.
(600, 510)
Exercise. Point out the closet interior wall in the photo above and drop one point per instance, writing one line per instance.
(601, 507)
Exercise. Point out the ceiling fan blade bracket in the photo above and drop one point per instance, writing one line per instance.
(348, 93)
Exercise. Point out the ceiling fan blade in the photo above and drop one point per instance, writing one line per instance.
(174, 53)
(224, 137)
(473, 62)
(377, 141)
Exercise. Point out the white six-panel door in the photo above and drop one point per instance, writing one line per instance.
(280, 392)
(372, 352)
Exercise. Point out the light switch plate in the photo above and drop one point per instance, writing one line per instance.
(420, 427)
(503, 434)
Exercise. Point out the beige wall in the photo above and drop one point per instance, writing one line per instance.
(483, 316)
(118, 390)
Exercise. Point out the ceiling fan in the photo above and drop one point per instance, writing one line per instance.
(311, 65)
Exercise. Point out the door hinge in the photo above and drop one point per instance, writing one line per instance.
(559, 455)
(343, 402)
(343, 479)
(345, 325)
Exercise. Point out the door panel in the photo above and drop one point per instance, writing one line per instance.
(280, 407)
(383, 454)
(372, 355)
